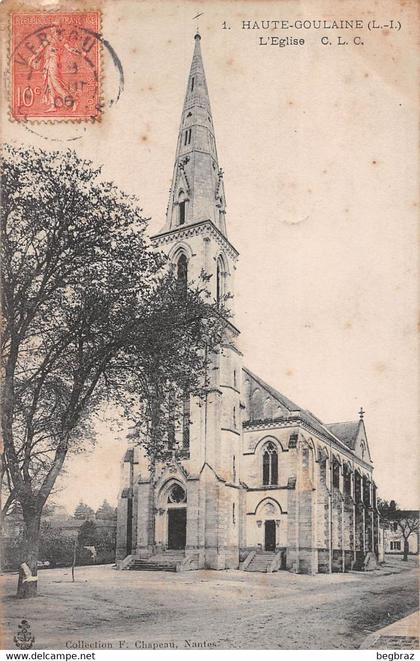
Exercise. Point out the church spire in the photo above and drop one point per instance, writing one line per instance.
(197, 191)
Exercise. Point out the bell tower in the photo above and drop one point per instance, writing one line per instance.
(197, 191)
(195, 238)
(195, 224)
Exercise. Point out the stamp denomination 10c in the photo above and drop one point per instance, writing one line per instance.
(55, 66)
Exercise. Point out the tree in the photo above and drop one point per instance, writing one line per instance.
(95, 542)
(90, 313)
(106, 543)
(12, 551)
(55, 546)
(408, 524)
(172, 357)
(76, 272)
(386, 509)
(87, 534)
(406, 521)
(87, 540)
(105, 511)
(83, 511)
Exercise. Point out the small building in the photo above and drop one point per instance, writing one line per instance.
(397, 530)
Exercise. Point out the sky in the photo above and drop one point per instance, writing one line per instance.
(319, 150)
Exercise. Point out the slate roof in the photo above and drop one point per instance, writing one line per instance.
(410, 514)
(345, 431)
(333, 431)
(291, 406)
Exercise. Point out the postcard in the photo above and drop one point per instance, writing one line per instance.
(209, 296)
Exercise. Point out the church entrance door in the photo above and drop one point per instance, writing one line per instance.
(177, 528)
(270, 536)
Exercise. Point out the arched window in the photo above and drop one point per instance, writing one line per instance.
(182, 270)
(311, 467)
(347, 480)
(187, 137)
(220, 280)
(182, 208)
(234, 468)
(234, 417)
(336, 474)
(357, 487)
(270, 464)
(366, 490)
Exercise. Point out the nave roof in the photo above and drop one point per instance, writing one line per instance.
(345, 434)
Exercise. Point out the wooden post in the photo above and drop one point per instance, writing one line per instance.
(74, 559)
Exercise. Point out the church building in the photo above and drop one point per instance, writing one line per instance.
(261, 484)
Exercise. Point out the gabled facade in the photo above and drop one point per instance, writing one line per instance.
(260, 479)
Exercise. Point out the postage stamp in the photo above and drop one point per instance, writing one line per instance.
(55, 62)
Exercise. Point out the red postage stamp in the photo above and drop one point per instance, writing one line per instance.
(55, 66)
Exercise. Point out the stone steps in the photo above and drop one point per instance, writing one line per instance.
(164, 561)
(261, 561)
(145, 565)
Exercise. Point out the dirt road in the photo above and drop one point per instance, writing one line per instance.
(218, 610)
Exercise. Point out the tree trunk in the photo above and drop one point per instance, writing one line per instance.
(74, 559)
(28, 572)
(405, 556)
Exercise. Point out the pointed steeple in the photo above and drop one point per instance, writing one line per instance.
(197, 191)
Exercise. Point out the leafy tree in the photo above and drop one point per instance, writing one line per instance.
(406, 521)
(12, 551)
(172, 357)
(386, 509)
(408, 524)
(90, 537)
(106, 511)
(87, 537)
(83, 511)
(106, 541)
(89, 314)
(55, 546)
(87, 534)
(76, 272)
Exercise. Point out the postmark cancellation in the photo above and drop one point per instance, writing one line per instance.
(55, 66)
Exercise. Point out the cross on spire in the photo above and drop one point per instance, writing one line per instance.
(196, 17)
(361, 413)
